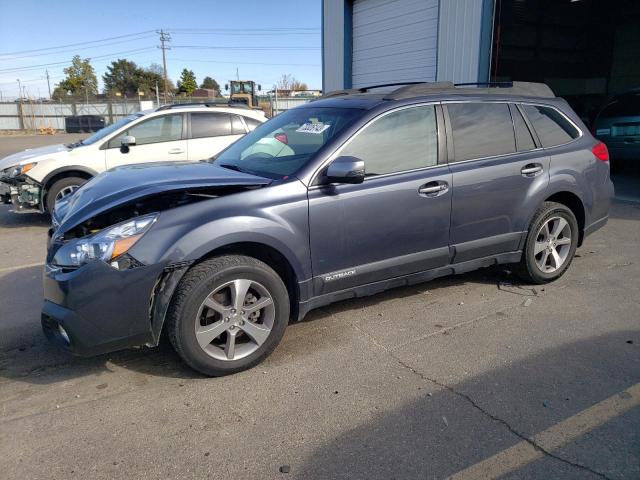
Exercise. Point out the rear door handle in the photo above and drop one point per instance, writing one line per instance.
(174, 151)
(531, 169)
(433, 189)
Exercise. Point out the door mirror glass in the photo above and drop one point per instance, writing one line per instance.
(346, 169)
(126, 142)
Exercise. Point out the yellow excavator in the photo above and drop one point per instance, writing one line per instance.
(243, 91)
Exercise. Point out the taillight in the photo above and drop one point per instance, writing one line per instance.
(601, 152)
(282, 137)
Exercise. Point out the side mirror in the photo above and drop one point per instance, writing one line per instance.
(346, 169)
(226, 86)
(259, 87)
(126, 142)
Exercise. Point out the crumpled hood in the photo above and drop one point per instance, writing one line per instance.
(32, 155)
(131, 182)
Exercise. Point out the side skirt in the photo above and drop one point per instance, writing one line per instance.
(404, 280)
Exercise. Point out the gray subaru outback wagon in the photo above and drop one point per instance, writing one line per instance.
(346, 196)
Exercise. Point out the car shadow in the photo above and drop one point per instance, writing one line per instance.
(25, 355)
(445, 430)
(9, 219)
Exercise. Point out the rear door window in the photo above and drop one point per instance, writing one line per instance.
(552, 127)
(481, 130)
(210, 125)
(524, 140)
(402, 140)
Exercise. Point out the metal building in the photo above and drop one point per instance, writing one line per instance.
(372, 42)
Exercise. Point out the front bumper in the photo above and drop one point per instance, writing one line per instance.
(25, 195)
(98, 309)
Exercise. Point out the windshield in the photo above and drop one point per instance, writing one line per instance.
(284, 144)
(241, 87)
(100, 134)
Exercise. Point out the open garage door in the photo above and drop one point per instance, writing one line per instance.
(394, 41)
(586, 50)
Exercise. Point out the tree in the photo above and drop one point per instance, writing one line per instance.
(81, 79)
(187, 83)
(210, 83)
(291, 83)
(122, 76)
(127, 78)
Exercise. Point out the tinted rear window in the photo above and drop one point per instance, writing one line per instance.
(551, 126)
(210, 125)
(623, 106)
(481, 130)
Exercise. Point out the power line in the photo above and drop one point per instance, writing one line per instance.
(80, 48)
(35, 67)
(248, 63)
(76, 44)
(224, 47)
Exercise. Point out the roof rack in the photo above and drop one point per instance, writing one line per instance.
(527, 89)
(202, 104)
(415, 89)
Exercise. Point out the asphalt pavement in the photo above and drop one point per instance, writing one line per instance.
(471, 376)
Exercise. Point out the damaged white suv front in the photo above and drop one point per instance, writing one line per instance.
(22, 175)
(34, 180)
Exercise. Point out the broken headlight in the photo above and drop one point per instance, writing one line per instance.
(106, 245)
(18, 170)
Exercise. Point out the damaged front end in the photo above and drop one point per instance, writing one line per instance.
(99, 290)
(19, 190)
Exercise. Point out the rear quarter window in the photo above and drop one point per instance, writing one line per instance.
(552, 127)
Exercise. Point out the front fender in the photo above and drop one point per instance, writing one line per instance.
(275, 216)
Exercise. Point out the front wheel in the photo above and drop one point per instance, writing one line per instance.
(62, 188)
(228, 314)
(551, 244)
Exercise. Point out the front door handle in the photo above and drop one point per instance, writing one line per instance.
(531, 169)
(174, 151)
(433, 189)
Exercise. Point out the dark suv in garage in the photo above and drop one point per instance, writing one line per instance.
(346, 196)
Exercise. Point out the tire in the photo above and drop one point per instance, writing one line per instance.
(60, 186)
(188, 312)
(533, 267)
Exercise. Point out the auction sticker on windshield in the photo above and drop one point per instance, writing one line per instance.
(313, 128)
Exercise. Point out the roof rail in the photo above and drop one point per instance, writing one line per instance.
(528, 89)
(202, 104)
(352, 91)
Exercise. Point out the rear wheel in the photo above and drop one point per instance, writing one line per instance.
(551, 244)
(62, 188)
(228, 314)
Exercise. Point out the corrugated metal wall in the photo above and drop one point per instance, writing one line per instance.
(459, 40)
(386, 41)
(394, 41)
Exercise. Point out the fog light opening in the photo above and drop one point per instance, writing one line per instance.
(63, 333)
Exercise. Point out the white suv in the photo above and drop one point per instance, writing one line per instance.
(36, 178)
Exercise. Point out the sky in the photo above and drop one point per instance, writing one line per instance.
(262, 39)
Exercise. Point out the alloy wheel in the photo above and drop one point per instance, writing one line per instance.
(553, 244)
(235, 319)
(66, 191)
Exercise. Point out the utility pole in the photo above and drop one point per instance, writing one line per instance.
(157, 95)
(48, 84)
(237, 74)
(164, 39)
(19, 90)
